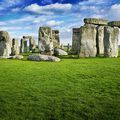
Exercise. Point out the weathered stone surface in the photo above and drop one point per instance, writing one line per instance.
(114, 24)
(56, 39)
(76, 40)
(58, 51)
(39, 57)
(5, 45)
(62, 46)
(32, 44)
(21, 46)
(95, 21)
(18, 57)
(15, 47)
(68, 47)
(87, 41)
(100, 40)
(111, 41)
(25, 46)
(45, 40)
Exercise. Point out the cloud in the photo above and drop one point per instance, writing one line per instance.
(114, 12)
(54, 23)
(15, 10)
(9, 3)
(48, 9)
(59, 16)
(94, 2)
(2, 23)
(88, 8)
(10, 28)
(97, 16)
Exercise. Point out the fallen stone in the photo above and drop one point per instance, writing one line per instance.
(39, 57)
(5, 44)
(114, 24)
(95, 21)
(87, 41)
(111, 41)
(58, 52)
(18, 57)
(5, 57)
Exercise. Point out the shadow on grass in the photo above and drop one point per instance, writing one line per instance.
(68, 57)
(65, 56)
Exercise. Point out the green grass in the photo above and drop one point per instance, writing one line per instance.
(73, 89)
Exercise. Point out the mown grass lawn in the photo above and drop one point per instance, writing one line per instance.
(73, 89)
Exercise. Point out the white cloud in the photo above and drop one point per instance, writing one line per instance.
(88, 8)
(48, 9)
(23, 19)
(96, 2)
(114, 12)
(54, 23)
(2, 23)
(15, 9)
(96, 16)
(9, 3)
(6, 28)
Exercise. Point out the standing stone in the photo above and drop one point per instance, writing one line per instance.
(32, 45)
(76, 40)
(68, 47)
(100, 40)
(45, 41)
(111, 41)
(15, 47)
(62, 46)
(21, 46)
(56, 39)
(25, 46)
(87, 41)
(5, 45)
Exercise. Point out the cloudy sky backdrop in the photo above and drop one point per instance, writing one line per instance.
(24, 17)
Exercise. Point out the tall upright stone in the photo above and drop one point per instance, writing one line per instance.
(111, 41)
(88, 41)
(100, 40)
(76, 40)
(56, 38)
(15, 47)
(68, 47)
(5, 44)
(21, 46)
(62, 46)
(25, 46)
(32, 45)
(45, 40)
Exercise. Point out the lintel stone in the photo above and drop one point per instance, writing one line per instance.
(95, 21)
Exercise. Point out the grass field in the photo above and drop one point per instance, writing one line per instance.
(73, 89)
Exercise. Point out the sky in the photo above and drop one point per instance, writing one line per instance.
(24, 17)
